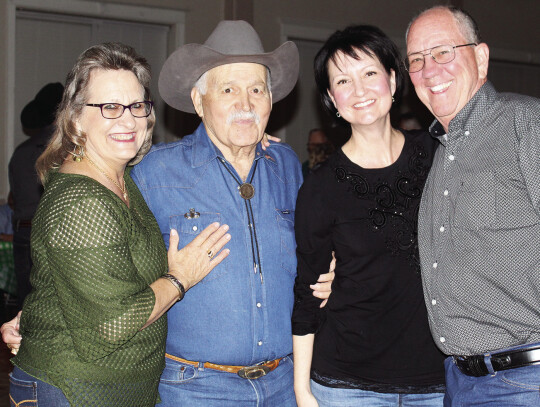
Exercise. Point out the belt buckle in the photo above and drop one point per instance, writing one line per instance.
(472, 365)
(253, 372)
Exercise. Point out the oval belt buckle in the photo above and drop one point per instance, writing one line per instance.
(253, 372)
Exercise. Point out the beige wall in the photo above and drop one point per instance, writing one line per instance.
(510, 27)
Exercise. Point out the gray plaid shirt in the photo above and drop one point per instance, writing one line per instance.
(479, 226)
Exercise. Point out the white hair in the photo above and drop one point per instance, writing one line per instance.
(465, 23)
(202, 83)
(240, 115)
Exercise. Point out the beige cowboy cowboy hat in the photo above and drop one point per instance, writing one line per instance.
(230, 42)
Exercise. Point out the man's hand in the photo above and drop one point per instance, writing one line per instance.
(265, 143)
(323, 288)
(10, 334)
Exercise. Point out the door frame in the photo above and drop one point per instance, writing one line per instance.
(173, 18)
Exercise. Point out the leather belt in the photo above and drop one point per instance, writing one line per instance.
(476, 366)
(245, 372)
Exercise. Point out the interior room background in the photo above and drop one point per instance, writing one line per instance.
(40, 39)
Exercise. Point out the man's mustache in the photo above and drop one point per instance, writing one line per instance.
(240, 115)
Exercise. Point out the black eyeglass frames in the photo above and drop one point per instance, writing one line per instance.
(116, 110)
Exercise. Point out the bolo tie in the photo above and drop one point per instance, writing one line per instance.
(247, 191)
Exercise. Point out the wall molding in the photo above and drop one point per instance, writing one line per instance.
(173, 18)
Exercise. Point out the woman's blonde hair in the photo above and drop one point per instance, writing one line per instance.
(67, 138)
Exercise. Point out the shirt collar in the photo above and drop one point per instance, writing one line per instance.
(205, 151)
(468, 117)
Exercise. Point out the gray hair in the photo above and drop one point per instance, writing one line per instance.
(202, 83)
(466, 24)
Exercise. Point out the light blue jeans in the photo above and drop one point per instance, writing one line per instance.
(518, 387)
(185, 385)
(337, 397)
(28, 391)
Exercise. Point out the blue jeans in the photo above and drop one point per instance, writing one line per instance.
(337, 397)
(28, 391)
(185, 385)
(508, 388)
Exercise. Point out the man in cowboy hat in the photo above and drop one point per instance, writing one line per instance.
(229, 340)
(37, 119)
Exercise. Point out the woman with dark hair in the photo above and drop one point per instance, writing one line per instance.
(371, 344)
(93, 326)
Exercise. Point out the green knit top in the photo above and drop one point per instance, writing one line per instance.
(94, 259)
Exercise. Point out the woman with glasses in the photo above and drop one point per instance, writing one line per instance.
(93, 327)
(371, 344)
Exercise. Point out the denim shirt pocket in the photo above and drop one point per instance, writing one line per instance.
(189, 226)
(285, 220)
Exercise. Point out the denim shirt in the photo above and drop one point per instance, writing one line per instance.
(233, 316)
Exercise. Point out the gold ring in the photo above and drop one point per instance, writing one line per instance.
(210, 253)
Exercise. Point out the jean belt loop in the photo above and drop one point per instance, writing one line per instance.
(489, 366)
(201, 366)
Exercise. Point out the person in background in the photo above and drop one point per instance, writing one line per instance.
(8, 285)
(93, 325)
(370, 345)
(6, 214)
(37, 119)
(319, 148)
(479, 221)
(408, 121)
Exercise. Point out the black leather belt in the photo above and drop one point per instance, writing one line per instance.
(476, 366)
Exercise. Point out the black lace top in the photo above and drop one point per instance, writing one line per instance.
(374, 332)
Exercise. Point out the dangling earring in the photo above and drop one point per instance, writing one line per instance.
(337, 114)
(393, 100)
(78, 153)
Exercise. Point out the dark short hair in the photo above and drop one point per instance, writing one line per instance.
(365, 38)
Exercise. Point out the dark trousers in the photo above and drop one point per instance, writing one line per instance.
(22, 262)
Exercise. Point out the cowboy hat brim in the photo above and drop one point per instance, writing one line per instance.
(188, 63)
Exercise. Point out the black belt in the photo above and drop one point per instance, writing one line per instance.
(476, 366)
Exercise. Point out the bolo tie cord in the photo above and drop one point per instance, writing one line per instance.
(251, 219)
